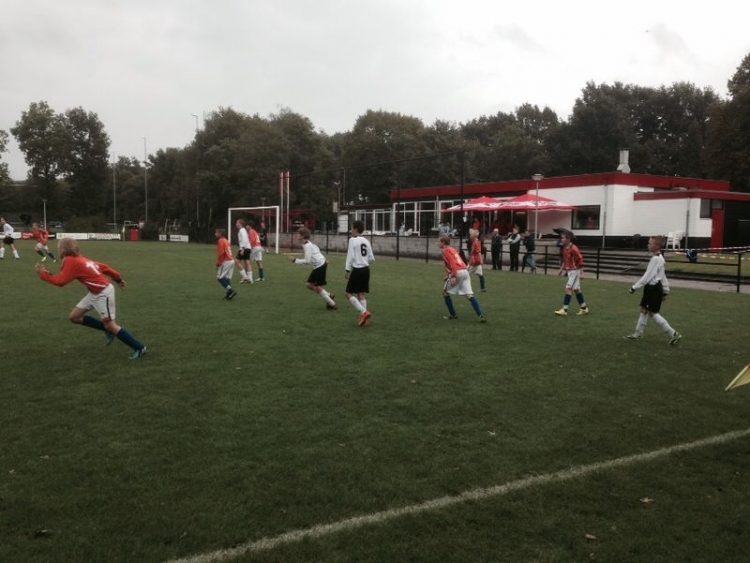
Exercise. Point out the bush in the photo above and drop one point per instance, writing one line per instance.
(150, 231)
(87, 224)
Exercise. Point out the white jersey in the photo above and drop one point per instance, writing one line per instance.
(359, 254)
(312, 255)
(242, 239)
(654, 274)
(8, 230)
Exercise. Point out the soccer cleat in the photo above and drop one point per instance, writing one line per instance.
(138, 354)
(676, 337)
(109, 337)
(450, 317)
(482, 319)
(632, 337)
(562, 312)
(364, 318)
(230, 295)
(333, 307)
(44, 259)
(583, 311)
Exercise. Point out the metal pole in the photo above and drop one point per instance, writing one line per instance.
(537, 178)
(44, 207)
(463, 219)
(145, 181)
(739, 270)
(114, 192)
(546, 258)
(598, 258)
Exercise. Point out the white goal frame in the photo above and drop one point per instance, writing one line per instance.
(230, 225)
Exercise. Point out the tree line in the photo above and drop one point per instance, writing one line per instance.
(235, 158)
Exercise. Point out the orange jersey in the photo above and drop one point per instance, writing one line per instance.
(254, 238)
(452, 260)
(477, 258)
(41, 235)
(94, 275)
(572, 257)
(223, 251)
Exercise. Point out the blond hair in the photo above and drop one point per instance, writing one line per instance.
(445, 239)
(68, 247)
(304, 232)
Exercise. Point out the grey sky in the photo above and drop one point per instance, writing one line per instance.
(145, 66)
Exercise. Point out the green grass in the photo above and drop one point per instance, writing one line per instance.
(268, 414)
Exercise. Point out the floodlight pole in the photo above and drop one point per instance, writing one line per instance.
(463, 218)
(44, 206)
(145, 181)
(114, 191)
(537, 178)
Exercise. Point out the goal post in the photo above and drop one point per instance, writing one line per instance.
(270, 214)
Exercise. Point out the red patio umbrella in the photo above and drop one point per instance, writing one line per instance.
(482, 203)
(530, 202)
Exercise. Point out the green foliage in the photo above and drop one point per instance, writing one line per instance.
(267, 414)
(4, 174)
(87, 224)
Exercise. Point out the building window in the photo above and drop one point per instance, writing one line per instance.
(705, 209)
(586, 217)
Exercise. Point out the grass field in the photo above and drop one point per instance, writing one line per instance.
(252, 418)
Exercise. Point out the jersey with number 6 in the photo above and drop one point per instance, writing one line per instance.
(359, 254)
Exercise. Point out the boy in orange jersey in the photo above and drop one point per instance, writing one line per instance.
(42, 237)
(224, 263)
(101, 296)
(256, 250)
(572, 265)
(457, 280)
(476, 258)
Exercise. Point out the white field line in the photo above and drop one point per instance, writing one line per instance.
(269, 543)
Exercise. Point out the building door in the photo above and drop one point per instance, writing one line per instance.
(717, 227)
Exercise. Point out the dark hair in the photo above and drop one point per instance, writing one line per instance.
(359, 225)
(221, 232)
(304, 232)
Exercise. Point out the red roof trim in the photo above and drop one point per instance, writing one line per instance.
(516, 187)
(699, 194)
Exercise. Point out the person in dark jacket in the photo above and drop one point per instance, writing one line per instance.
(514, 240)
(496, 246)
(529, 257)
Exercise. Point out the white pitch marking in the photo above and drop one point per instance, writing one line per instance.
(266, 544)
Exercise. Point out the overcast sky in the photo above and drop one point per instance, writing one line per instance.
(145, 66)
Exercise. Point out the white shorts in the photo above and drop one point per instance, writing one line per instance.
(256, 254)
(463, 284)
(574, 280)
(226, 270)
(476, 270)
(103, 302)
(40, 246)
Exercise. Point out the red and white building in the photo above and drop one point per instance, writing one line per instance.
(610, 208)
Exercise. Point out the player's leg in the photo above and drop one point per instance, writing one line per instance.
(39, 250)
(584, 309)
(261, 274)
(106, 307)
(2, 250)
(15, 252)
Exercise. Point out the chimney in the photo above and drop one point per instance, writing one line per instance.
(624, 167)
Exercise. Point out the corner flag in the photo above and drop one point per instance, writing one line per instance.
(742, 378)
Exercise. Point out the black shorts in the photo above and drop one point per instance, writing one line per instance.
(318, 275)
(359, 280)
(243, 254)
(652, 297)
(9, 240)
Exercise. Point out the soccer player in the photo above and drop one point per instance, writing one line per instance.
(476, 257)
(572, 265)
(315, 258)
(8, 239)
(42, 237)
(256, 251)
(243, 255)
(655, 289)
(224, 263)
(101, 296)
(457, 280)
(358, 259)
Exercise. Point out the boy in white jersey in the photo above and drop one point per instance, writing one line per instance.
(315, 258)
(655, 289)
(358, 259)
(8, 239)
(243, 255)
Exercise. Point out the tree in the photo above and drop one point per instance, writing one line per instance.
(727, 151)
(42, 137)
(85, 161)
(4, 174)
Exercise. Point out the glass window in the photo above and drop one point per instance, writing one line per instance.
(586, 217)
(705, 209)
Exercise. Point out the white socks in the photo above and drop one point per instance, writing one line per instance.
(327, 297)
(662, 322)
(640, 326)
(357, 304)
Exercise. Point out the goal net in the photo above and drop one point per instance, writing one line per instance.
(268, 215)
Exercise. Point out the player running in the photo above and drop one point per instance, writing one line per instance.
(224, 263)
(572, 266)
(42, 237)
(8, 239)
(101, 296)
(315, 258)
(359, 256)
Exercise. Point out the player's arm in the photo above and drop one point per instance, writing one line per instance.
(351, 249)
(647, 276)
(65, 276)
(111, 273)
